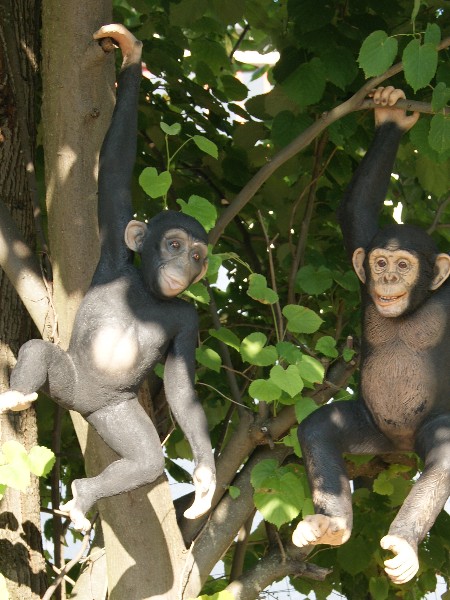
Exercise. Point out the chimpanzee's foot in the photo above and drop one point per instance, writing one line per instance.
(405, 564)
(79, 521)
(320, 529)
(12, 400)
(205, 485)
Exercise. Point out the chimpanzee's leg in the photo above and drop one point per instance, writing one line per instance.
(424, 502)
(129, 431)
(324, 436)
(38, 360)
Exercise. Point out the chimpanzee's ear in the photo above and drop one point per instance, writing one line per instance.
(358, 263)
(134, 235)
(441, 270)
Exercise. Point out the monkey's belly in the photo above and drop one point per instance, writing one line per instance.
(398, 388)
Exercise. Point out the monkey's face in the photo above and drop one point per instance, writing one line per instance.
(183, 261)
(392, 276)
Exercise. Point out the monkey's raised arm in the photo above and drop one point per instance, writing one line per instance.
(118, 152)
(363, 199)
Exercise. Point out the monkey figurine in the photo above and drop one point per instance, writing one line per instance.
(403, 402)
(129, 320)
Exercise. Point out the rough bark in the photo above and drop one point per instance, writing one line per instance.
(21, 559)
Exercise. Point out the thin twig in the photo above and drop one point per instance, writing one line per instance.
(71, 563)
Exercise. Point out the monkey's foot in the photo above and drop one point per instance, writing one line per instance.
(320, 529)
(13, 400)
(205, 486)
(405, 564)
(79, 521)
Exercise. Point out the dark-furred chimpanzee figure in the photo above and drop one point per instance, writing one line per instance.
(404, 396)
(129, 320)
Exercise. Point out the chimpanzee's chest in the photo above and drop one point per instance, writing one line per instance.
(400, 367)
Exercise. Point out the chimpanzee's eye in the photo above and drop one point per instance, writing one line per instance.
(174, 244)
(403, 265)
(381, 263)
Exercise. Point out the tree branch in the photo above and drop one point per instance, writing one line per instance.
(274, 567)
(357, 102)
(23, 270)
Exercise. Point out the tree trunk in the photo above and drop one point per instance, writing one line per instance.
(21, 559)
(144, 547)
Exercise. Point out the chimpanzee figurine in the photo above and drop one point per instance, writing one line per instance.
(404, 395)
(129, 320)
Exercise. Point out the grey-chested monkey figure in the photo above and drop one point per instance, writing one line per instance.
(129, 320)
(403, 402)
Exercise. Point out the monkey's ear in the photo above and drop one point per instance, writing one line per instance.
(202, 272)
(134, 235)
(358, 263)
(441, 270)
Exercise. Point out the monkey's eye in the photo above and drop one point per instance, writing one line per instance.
(196, 256)
(381, 263)
(174, 244)
(403, 265)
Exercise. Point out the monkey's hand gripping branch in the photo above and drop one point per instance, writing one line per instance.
(13, 400)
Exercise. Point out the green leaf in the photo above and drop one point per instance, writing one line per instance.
(3, 488)
(313, 281)
(439, 136)
(311, 369)
(301, 319)
(377, 53)
(206, 146)
(327, 345)
(379, 588)
(432, 34)
(208, 358)
(347, 280)
(282, 500)
(254, 352)
(234, 491)
(201, 209)
(155, 185)
(198, 292)
(348, 354)
(288, 352)
(264, 390)
(441, 96)
(259, 291)
(382, 484)
(14, 452)
(233, 88)
(304, 407)
(226, 336)
(223, 595)
(41, 460)
(355, 555)
(291, 440)
(433, 177)
(263, 471)
(420, 63)
(340, 65)
(170, 129)
(287, 380)
(15, 475)
(306, 84)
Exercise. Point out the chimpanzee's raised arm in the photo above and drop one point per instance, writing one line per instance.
(364, 197)
(118, 153)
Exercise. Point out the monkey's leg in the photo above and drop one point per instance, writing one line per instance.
(129, 431)
(424, 502)
(36, 361)
(324, 436)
